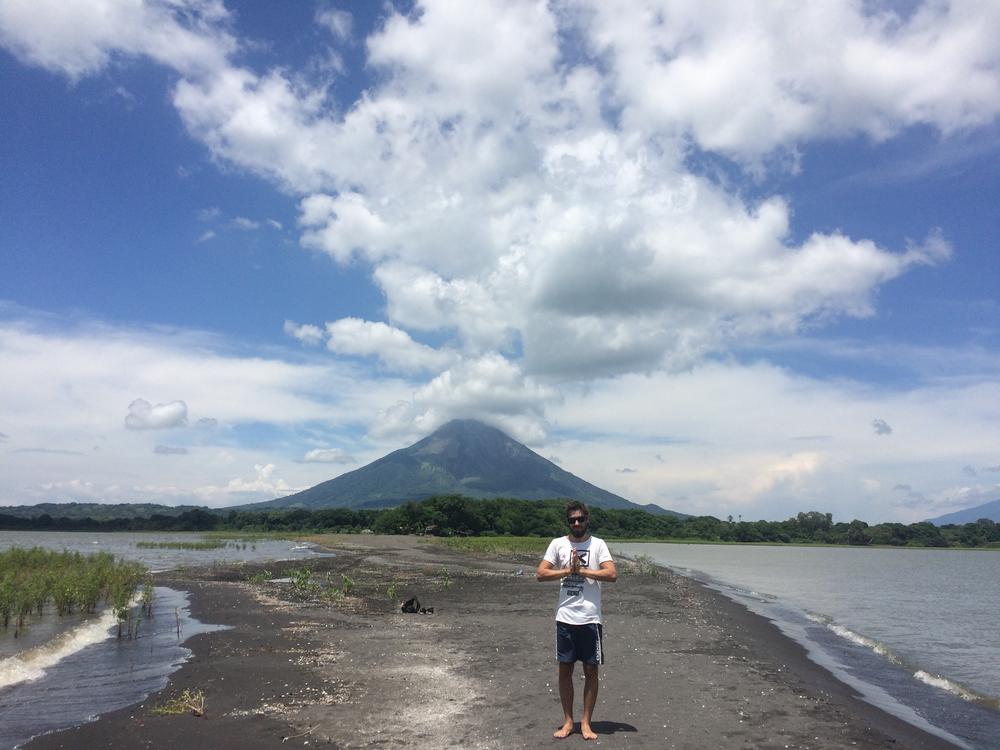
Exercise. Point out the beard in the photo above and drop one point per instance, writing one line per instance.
(577, 531)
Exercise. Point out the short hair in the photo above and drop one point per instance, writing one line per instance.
(576, 505)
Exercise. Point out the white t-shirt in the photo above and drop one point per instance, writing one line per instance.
(579, 597)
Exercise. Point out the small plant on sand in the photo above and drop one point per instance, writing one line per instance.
(390, 590)
(346, 584)
(189, 700)
(445, 578)
(303, 582)
(642, 565)
(258, 578)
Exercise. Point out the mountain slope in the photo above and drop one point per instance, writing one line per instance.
(970, 515)
(462, 457)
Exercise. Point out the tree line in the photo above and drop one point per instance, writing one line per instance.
(455, 515)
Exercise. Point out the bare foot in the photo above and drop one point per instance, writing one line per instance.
(587, 732)
(564, 731)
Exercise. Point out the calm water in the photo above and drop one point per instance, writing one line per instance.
(123, 544)
(914, 630)
(75, 667)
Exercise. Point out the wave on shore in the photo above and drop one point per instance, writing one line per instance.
(33, 663)
(880, 676)
(87, 671)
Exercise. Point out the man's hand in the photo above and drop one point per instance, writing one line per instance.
(574, 564)
(547, 572)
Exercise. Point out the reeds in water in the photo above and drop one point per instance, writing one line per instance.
(72, 582)
(206, 544)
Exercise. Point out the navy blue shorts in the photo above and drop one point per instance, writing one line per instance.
(579, 643)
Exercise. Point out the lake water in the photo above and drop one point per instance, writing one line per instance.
(915, 631)
(75, 667)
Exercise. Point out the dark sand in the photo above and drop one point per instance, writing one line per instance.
(685, 667)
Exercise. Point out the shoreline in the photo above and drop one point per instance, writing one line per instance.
(686, 666)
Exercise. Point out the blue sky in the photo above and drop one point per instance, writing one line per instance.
(732, 262)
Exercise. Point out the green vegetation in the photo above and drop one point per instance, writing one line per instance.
(498, 545)
(260, 577)
(31, 578)
(455, 516)
(205, 544)
(641, 565)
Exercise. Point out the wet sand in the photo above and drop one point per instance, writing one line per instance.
(685, 667)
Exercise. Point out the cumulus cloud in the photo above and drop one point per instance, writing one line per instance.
(308, 334)
(745, 80)
(265, 483)
(532, 192)
(394, 348)
(143, 415)
(329, 456)
(207, 423)
(70, 37)
(518, 177)
(881, 427)
(529, 215)
(489, 388)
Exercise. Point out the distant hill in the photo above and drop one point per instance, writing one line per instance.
(463, 457)
(970, 515)
(97, 511)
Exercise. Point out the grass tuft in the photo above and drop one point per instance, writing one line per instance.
(189, 700)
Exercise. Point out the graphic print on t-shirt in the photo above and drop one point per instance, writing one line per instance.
(573, 583)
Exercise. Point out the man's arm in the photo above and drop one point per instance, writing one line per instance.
(548, 572)
(607, 572)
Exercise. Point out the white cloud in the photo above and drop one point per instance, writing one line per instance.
(263, 484)
(63, 389)
(76, 38)
(489, 388)
(143, 415)
(328, 456)
(506, 207)
(516, 175)
(744, 79)
(308, 334)
(393, 347)
(244, 224)
(206, 236)
(509, 206)
(724, 438)
(339, 23)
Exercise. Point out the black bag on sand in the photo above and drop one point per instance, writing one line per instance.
(412, 606)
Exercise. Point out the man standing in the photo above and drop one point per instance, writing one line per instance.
(580, 562)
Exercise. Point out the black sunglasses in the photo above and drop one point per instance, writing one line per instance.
(576, 520)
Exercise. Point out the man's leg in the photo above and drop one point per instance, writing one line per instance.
(589, 700)
(566, 698)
